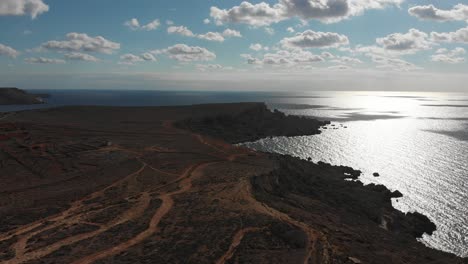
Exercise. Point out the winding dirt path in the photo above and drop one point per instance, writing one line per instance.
(167, 204)
(312, 235)
(237, 239)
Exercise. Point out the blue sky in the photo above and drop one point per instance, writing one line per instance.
(268, 45)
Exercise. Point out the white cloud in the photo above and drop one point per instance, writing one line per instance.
(180, 30)
(8, 51)
(211, 36)
(206, 21)
(290, 30)
(131, 59)
(209, 67)
(459, 36)
(77, 56)
(430, 12)
(32, 8)
(285, 58)
(261, 14)
(331, 11)
(409, 43)
(153, 25)
(326, 11)
(185, 53)
(449, 56)
(41, 60)
(256, 47)
(312, 39)
(231, 33)
(134, 24)
(82, 42)
(392, 63)
(148, 56)
(345, 60)
(327, 55)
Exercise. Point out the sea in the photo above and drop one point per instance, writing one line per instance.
(417, 142)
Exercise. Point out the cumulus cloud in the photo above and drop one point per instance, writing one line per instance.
(285, 58)
(392, 63)
(410, 42)
(42, 60)
(231, 33)
(134, 24)
(312, 39)
(32, 8)
(290, 30)
(210, 36)
(131, 59)
(185, 53)
(459, 36)
(326, 11)
(78, 56)
(82, 42)
(206, 21)
(449, 56)
(430, 12)
(8, 51)
(343, 60)
(261, 14)
(256, 47)
(180, 30)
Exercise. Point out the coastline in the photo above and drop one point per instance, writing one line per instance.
(284, 204)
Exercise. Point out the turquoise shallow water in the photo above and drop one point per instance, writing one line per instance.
(418, 142)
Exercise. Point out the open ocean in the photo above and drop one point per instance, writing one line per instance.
(418, 142)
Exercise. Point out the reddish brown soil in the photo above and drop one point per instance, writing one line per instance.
(123, 185)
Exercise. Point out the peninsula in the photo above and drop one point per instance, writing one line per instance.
(15, 96)
(164, 185)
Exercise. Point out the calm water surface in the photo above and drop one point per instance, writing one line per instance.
(418, 142)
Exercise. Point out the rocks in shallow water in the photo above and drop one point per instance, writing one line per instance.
(376, 174)
(396, 194)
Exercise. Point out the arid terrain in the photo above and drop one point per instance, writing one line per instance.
(12, 96)
(162, 185)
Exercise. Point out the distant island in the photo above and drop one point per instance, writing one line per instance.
(163, 185)
(15, 96)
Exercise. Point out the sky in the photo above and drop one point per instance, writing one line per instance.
(275, 45)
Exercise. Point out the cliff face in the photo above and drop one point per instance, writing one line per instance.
(12, 96)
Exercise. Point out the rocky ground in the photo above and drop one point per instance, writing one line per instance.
(12, 96)
(126, 185)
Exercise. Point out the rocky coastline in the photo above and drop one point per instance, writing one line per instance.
(162, 185)
(15, 96)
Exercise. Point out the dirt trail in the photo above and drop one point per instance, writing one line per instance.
(235, 243)
(184, 183)
(167, 204)
(69, 217)
(75, 206)
(312, 235)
